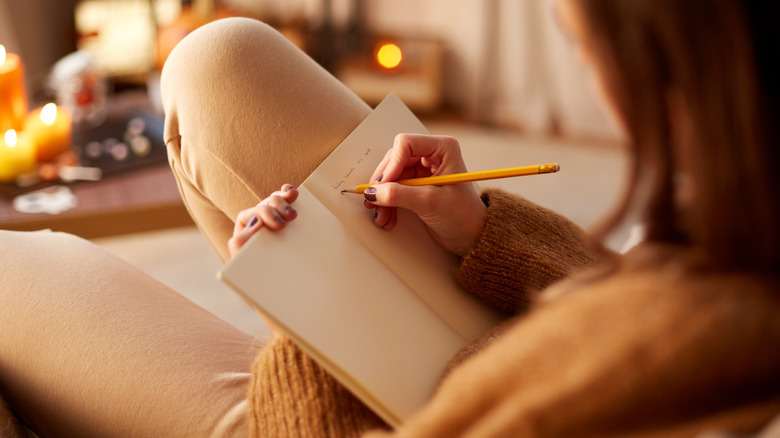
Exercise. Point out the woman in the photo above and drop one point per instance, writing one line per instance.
(680, 336)
(677, 338)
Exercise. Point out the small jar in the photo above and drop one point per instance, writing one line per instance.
(79, 86)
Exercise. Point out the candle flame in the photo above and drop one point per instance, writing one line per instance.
(10, 138)
(389, 55)
(2, 54)
(49, 113)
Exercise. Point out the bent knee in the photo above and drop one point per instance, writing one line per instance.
(214, 49)
(228, 64)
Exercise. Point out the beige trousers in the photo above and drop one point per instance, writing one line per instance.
(89, 346)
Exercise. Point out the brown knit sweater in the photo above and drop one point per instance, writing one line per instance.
(648, 347)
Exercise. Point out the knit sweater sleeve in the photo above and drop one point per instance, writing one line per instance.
(523, 249)
(290, 395)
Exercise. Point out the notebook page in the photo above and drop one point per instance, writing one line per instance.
(318, 284)
(408, 249)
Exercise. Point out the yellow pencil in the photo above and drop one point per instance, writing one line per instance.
(468, 176)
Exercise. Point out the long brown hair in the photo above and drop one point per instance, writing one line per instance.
(717, 57)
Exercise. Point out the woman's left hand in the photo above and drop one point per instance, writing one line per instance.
(273, 212)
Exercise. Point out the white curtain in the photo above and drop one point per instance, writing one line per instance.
(544, 81)
(509, 63)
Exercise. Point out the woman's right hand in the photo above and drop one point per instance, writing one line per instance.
(454, 214)
(273, 212)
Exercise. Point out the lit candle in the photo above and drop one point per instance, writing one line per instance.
(17, 156)
(51, 130)
(13, 94)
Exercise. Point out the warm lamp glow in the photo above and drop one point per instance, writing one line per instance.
(10, 138)
(389, 55)
(49, 113)
(2, 54)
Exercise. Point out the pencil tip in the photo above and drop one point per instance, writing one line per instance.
(343, 191)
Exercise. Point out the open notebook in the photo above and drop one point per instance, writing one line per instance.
(379, 310)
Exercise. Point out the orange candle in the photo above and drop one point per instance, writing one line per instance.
(17, 155)
(50, 128)
(13, 94)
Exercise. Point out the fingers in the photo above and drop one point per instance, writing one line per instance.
(414, 156)
(417, 155)
(272, 212)
(385, 196)
(427, 154)
(380, 168)
(454, 214)
(275, 211)
(242, 236)
(288, 192)
(386, 217)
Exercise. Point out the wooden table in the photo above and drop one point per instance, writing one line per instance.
(139, 200)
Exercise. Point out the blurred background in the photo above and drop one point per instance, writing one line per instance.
(498, 62)
(499, 75)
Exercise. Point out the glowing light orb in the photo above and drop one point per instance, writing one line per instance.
(10, 138)
(389, 55)
(49, 113)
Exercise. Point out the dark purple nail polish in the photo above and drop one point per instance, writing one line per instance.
(279, 220)
(252, 222)
(370, 194)
(289, 210)
(290, 188)
(379, 178)
(376, 215)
